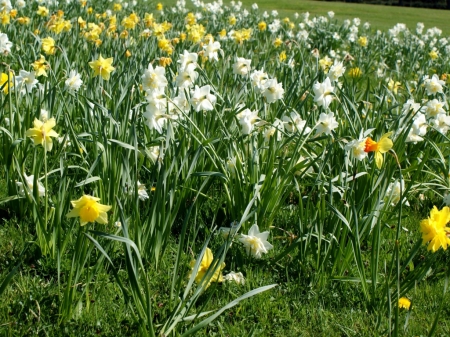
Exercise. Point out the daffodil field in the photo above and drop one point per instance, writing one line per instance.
(228, 141)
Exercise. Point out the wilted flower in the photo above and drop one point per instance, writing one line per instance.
(89, 209)
(256, 243)
(236, 277)
(205, 264)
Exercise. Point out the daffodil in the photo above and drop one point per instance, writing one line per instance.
(255, 242)
(6, 82)
(40, 67)
(48, 46)
(41, 133)
(89, 209)
(205, 264)
(404, 303)
(102, 67)
(434, 230)
(380, 147)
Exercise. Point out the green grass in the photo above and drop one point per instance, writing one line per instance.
(294, 308)
(380, 17)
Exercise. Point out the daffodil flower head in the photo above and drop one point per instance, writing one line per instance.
(404, 303)
(102, 67)
(41, 133)
(380, 147)
(434, 230)
(205, 264)
(89, 209)
(255, 242)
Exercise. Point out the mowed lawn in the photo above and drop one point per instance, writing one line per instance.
(380, 17)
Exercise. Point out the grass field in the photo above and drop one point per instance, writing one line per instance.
(380, 17)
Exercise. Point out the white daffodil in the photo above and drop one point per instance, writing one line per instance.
(272, 90)
(29, 180)
(433, 85)
(202, 99)
(241, 66)
(154, 78)
(326, 123)
(74, 81)
(294, 123)
(356, 148)
(323, 93)
(256, 243)
(236, 277)
(247, 120)
(211, 50)
(188, 61)
(336, 71)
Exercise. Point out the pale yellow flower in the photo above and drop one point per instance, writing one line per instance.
(41, 133)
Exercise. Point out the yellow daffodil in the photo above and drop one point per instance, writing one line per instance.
(102, 67)
(278, 42)
(42, 11)
(404, 303)
(159, 6)
(48, 46)
(203, 269)
(380, 147)
(434, 230)
(362, 41)
(433, 55)
(4, 18)
(393, 86)
(41, 133)
(355, 72)
(282, 57)
(262, 26)
(89, 209)
(40, 67)
(4, 84)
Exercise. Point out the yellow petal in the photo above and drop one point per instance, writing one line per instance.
(378, 159)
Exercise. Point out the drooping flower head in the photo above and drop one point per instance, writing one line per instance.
(41, 133)
(380, 147)
(434, 230)
(205, 264)
(89, 209)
